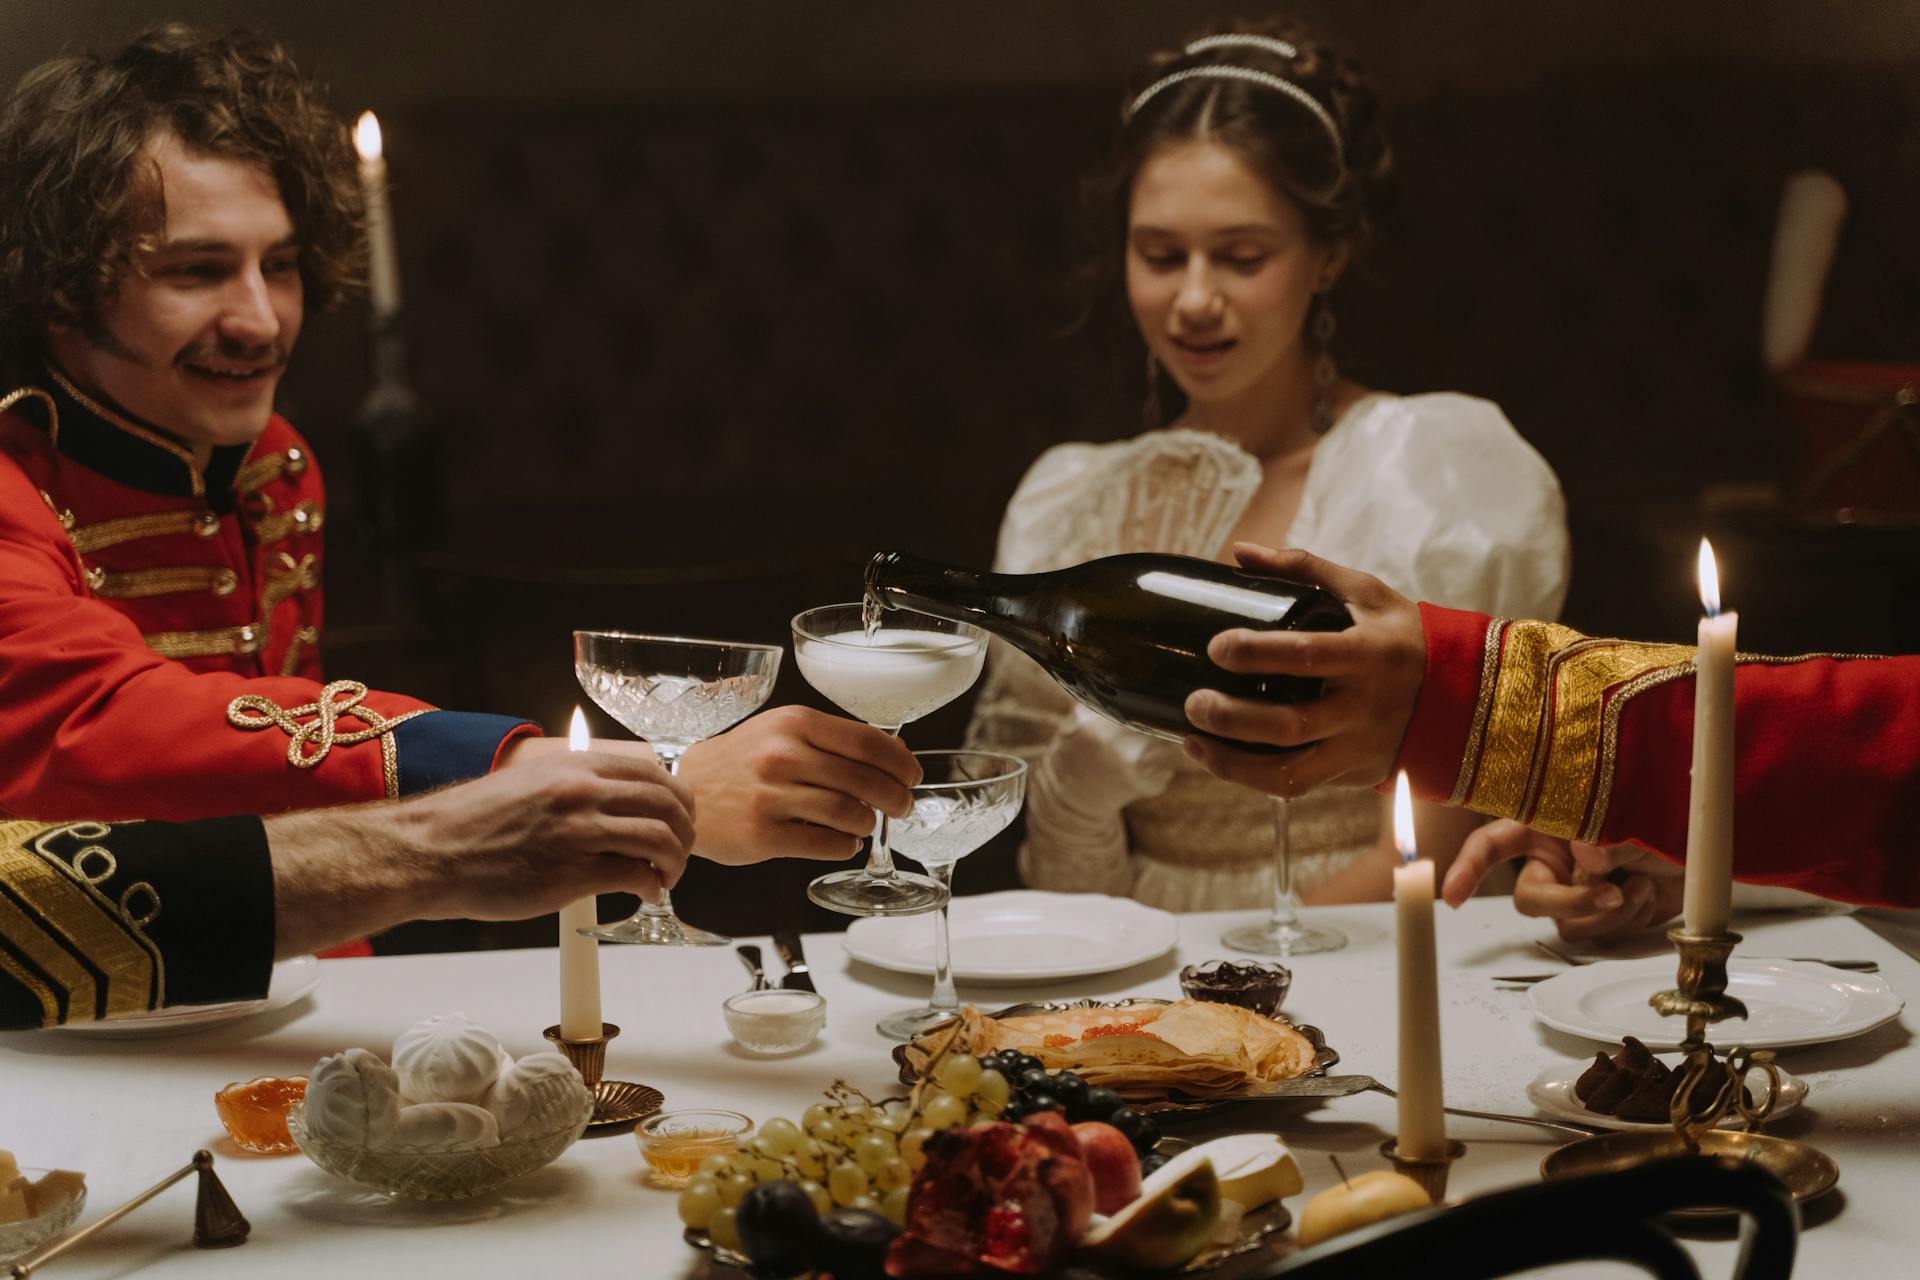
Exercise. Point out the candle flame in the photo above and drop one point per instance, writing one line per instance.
(577, 736)
(1709, 580)
(1403, 838)
(366, 136)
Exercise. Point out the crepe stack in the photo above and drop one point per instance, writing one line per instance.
(1195, 1048)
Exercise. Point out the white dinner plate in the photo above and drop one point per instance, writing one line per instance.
(291, 980)
(1023, 935)
(1552, 1092)
(1789, 1002)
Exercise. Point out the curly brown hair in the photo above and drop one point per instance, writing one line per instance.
(77, 204)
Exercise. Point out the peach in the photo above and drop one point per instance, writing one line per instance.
(1112, 1161)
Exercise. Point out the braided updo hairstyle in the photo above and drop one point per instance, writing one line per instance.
(1342, 194)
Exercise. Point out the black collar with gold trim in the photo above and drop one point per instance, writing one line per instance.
(122, 448)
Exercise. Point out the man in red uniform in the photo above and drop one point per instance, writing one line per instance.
(1584, 739)
(168, 217)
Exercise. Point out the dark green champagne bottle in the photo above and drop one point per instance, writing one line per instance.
(1126, 635)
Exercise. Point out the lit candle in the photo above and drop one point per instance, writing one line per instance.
(1423, 1126)
(579, 957)
(383, 265)
(1709, 896)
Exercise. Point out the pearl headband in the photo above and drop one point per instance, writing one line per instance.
(1249, 75)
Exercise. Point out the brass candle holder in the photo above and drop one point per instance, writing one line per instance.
(1713, 1085)
(1429, 1171)
(616, 1103)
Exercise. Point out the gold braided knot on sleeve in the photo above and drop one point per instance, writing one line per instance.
(311, 741)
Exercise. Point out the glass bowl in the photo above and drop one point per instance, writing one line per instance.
(255, 1112)
(1259, 985)
(675, 1143)
(408, 1174)
(776, 1020)
(18, 1239)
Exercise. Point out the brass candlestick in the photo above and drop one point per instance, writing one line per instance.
(1430, 1171)
(616, 1103)
(1712, 1085)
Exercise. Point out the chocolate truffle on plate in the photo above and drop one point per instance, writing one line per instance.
(352, 1098)
(447, 1058)
(537, 1094)
(444, 1126)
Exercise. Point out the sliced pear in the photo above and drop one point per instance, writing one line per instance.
(1170, 1221)
(1253, 1168)
(1360, 1201)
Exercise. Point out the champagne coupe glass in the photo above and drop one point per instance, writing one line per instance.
(671, 692)
(964, 800)
(1283, 934)
(905, 666)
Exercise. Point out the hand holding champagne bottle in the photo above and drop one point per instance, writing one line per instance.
(1126, 635)
(1370, 675)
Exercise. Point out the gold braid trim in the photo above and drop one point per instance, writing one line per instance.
(1489, 667)
(248, 638)
(111, 533)
(287, 577)
(257, 473)
(1582, 677)
(55, 912)
(305, 637)
(303, 517)
(133, 429)
(132, 584)
(14, 397)
(311, 742)
(1503, 769)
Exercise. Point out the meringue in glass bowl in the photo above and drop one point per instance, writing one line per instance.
(414, 1174)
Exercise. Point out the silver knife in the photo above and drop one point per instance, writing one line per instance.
(787, 943)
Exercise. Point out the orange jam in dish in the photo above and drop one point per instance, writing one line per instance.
(255, 1113)
(675, 1143)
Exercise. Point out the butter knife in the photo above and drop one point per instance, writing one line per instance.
(787, 943)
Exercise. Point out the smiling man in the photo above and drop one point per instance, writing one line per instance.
(169, 216)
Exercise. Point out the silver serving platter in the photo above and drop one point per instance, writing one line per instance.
(1324, 1057)
(1254, 1231)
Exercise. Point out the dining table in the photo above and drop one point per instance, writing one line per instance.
(128, 1110)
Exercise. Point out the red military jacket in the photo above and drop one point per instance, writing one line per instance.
(1592, 739)
(159, 628)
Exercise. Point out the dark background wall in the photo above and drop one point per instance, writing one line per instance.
(708, 301)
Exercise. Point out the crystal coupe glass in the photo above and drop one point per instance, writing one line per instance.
(1282, 934)
(671, 692)
(895, 671)
(965, 799)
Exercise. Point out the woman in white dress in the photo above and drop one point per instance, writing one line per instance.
(1250, 169)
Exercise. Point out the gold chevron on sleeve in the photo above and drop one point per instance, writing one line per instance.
(1592, 681)
(68, 929)
(1551, 705)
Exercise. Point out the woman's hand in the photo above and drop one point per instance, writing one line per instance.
(1370, 674)
(1592, 893)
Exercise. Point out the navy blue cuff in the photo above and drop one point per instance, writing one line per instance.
(443, 747)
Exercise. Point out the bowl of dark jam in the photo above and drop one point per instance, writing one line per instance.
(1258, 985)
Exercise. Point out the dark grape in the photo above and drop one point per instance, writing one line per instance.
(779, 1228)
(1023, 1063)
(853, 1244)
(1102, 1102)
(1128, 1122)
(1151, 1162)
(1034, 1081)
(1013, 1112)
(1038, 1102)
(1146, 1135)
(1072, 1092)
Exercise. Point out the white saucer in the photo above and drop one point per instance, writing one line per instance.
(1552, 1092)
(1789, 1002)
(292, 979)
(1023, 935)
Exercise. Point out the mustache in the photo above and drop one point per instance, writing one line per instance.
(270, 356)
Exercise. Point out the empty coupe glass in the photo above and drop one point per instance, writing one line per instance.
(966, 799)
(671, 692)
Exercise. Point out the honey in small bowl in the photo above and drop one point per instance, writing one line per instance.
(255, 1113)
(675, 1143)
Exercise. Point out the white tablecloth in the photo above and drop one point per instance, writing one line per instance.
(128, 1111)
